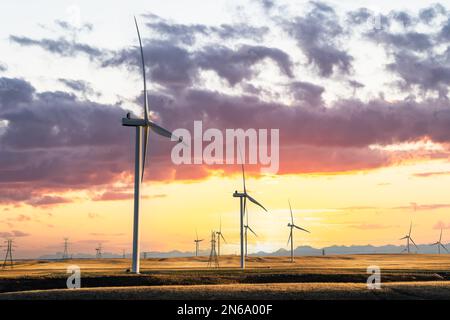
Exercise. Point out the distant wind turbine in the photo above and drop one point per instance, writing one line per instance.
(243, 196)
(142, 131)
(291, 236)
(439, 244)
(219, 235)
(408, 239)
(197, 243)
(247, 228)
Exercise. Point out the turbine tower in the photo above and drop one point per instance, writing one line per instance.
(408, 239)
(243, 196)
(291, 235)
(219, 235)
(439, 244)
(197, 243)
(142, 132)
(213, 260)
(65, 254)
(247, 228)
(98, 251)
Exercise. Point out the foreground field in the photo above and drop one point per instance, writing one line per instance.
(269, 291)
(326, 277)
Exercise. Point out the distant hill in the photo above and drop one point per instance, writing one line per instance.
(299, 251)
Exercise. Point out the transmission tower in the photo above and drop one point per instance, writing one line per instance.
(9, 251)
(213, 260)
(98, 251)
(65, 254)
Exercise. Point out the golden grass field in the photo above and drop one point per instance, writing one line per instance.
(323, 277)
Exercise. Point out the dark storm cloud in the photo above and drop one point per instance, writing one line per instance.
(175, 67)
(169, 65)
(317, 34)
(427, 73)
(236, 65)
(61, 46)
(14, 91)
(55, 142)
(307, 92)
(413, 41)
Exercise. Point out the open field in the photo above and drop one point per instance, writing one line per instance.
(328, 277)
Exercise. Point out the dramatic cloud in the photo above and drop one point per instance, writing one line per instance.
(234, 66)
(13, 234)
(79, 86)
(61, 46)
(3, 67)
(431, 174)
(54, 142)
(317, 33)
(188, 34)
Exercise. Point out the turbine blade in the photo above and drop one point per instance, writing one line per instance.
(289, 239)
(292, 217)
(410, 228)
(440, 238)
(414, 243)
(444, 247)
(196, 234)
(243, 170)
(405, 237)
(251, 230)
(223, 237)
(144, 154)
(163, 132)
(301, 228)
(254, 201)
(143, 72)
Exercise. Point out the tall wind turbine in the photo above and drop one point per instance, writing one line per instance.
(247, 228)
(291, 236)
(243, 196)
(408, 239)
(439, 244)
(219, 235)
(142, 131)
(197, 242)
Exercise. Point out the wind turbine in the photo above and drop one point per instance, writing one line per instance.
(142, 131)
(408, 239)
(439, 244)
(291, 237)
(197, 243)
(243, 196)
(219, 235)
(247, 228)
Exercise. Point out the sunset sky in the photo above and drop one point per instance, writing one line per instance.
(358, 91)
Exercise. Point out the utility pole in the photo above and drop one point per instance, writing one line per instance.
(213, 255)
(65, 255)
(8, 256)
